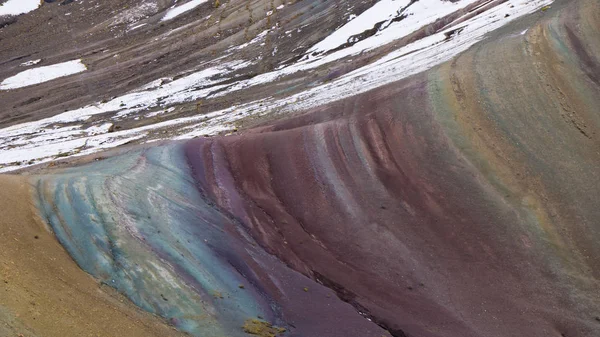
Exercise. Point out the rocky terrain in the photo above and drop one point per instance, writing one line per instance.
(153, 71)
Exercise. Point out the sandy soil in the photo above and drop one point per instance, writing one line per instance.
(44, 293)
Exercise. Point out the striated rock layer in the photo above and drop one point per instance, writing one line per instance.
(458, 202)
(44, 293)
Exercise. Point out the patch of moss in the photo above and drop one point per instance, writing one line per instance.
(261, 328)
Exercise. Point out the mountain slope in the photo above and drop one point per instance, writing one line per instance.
(455, 201)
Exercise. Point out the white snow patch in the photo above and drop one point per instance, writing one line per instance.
(17, 7)
(176, 11)
(137, 26)
(41, 153)
(256, 39)
(31, 63)
(42, 74)
(98, 129)
(418, 14)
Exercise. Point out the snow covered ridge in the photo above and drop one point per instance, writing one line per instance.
(56, 137)
(42, 74)
(389, 20)
(18, 7)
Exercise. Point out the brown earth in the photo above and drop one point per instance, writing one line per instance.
(44, 293)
